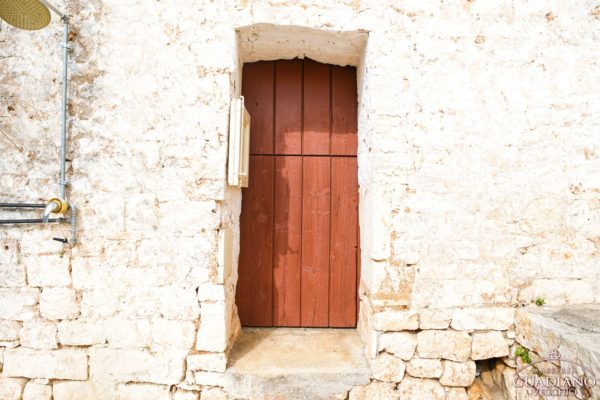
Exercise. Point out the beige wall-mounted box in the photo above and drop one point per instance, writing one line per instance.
(239, 144)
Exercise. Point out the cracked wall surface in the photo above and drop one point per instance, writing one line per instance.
(478, 165)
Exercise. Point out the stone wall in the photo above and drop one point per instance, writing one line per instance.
(478, 169)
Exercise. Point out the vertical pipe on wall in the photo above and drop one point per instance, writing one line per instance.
(63, 134)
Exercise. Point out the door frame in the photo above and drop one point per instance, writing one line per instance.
(256, 42)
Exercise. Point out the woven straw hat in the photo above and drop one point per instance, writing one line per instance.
(25, 14)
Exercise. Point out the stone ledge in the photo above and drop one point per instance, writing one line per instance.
(290, 362)
(572, 330)
(47, 364)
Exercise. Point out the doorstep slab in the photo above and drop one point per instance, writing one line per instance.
(296, 363)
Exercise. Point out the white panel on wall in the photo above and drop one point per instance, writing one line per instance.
(239, 144)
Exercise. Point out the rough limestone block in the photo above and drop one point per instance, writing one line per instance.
(167, 334)
(70, 390)
(449, 345)
(137, 302)
(391, 320)
(9, 330)
(38, 334)
(424, 368)
(488, 345)
(414, 388)
(388, 368)
(461, 292)
(141, 366)
(205, 378)
(434, 319)
(214, 394)
(458, 373)
(558, 292)
(100, 303)
(81, 333)
(216, 362)
(34, 391)
(374, 391)
(88, 274)
(12, 271)
(181, 394)
(210, 292)
(47, 270)
(178, 303)
(390, 285)
(369, 337)
(380, 230)
(47, 364)
(483, 319)
(18, 303)
(124, 333)
(11, 388)
(59, 303)
(212, 331)
(456, 393)
(138, 391)
(401, 344)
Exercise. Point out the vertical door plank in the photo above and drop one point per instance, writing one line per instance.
(288, 107)
(315, 241)
(315, 137)
(257, 89)
(344, 107)
(254, 294)
(358, 262)
(344, 242)
(288, 240)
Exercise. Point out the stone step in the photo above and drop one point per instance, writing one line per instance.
(296, 363)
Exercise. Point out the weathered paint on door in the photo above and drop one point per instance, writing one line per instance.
(299, 224)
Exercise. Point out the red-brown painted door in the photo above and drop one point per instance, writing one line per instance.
(299, 225)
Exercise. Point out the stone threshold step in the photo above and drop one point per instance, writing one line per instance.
(296, 363)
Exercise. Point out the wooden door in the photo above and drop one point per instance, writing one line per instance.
(299, 225)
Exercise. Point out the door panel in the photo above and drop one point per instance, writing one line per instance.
(316, 116)
(288, 240)
(259, 82)
(344, 125)
(316, 202)
(299, 223)
(254, 294)
(288, 107)
(344, 241)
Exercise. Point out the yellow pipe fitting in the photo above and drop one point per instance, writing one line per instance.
(61, 205)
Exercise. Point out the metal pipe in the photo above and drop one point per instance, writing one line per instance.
(53, 8)
(63, 133)
(21, 205)
(28, 221)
